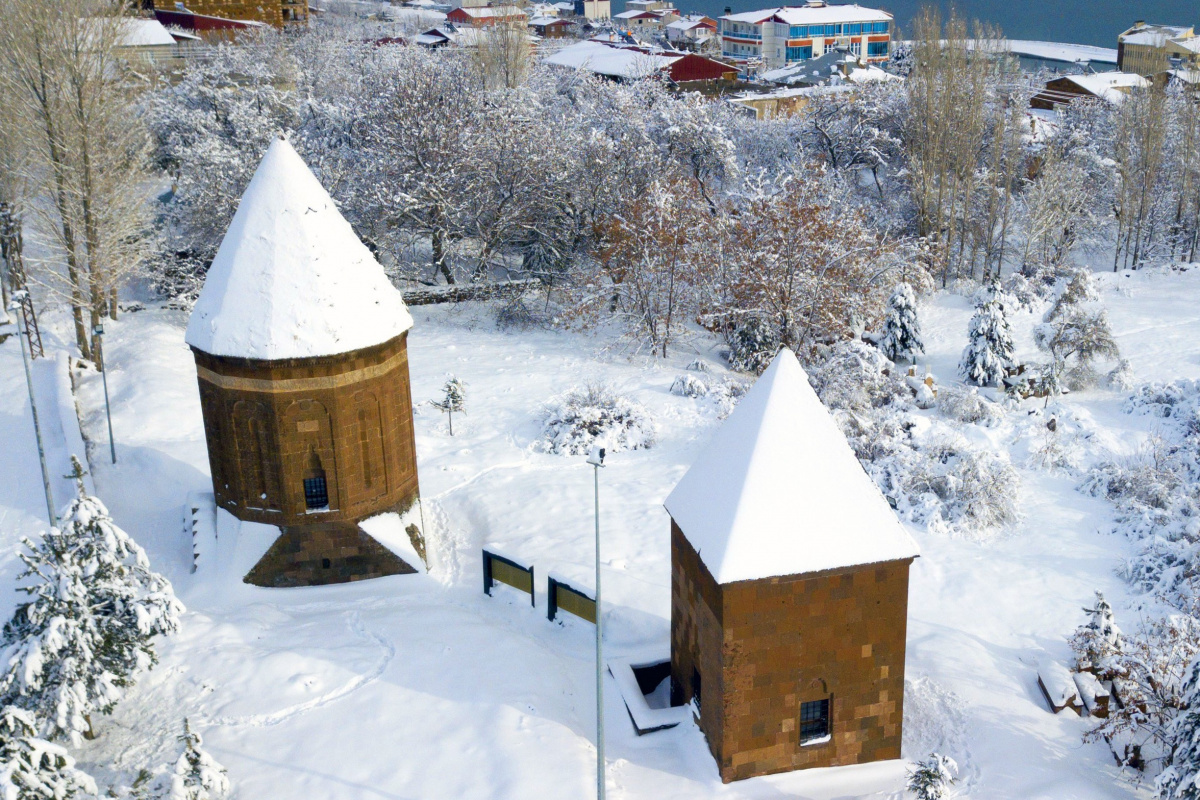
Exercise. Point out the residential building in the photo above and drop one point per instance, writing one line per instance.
(1111, 87)
(789, 590)
(782, 102)
(550, 27)
(641, 20)
(478, 17)
(1153, 49)
(691, 30)
(628, 62)
(271, 12)
(149, 42)
(593, 10)
(773, 37)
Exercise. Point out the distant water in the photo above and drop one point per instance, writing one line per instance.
(1078, 21)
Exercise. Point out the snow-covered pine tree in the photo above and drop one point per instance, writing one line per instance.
(932, 778)
(454, 398)
(34, 769)
(88, 629)
(1098, 639)
(901, 338)
(197, 776)
(989, 350)
(1181, 780)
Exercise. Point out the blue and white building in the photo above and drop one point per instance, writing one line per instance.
(776, 37)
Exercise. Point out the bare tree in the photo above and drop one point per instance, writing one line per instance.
(503, 53)
(961, 136)
(1139, 152)
(74, 109)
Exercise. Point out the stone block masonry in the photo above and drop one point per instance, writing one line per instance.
(344, 419)
(760, 649)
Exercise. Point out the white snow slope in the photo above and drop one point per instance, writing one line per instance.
(420, 687)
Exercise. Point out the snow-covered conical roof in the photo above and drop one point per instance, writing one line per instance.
(291, 279)
(778, 491)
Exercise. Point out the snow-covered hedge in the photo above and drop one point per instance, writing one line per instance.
(1154, 492)
(856, 377)
(966, 405)
(594, 414)
(930, 474)
(723, 394)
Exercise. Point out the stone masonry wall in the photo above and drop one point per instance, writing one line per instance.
(838, 635)
(315, 555)
(272, 424)
(696, 636)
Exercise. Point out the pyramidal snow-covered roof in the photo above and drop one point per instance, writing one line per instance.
(778, 490)
(291, 279)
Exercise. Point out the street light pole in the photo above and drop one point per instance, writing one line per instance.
(98, 331)
(19, 298)
(596, 459)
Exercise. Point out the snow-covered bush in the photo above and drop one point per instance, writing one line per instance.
(689, 386)
(1152, 669)
(1121, 376)
(696, 365)
(1056, 451)
(88, 629)
(586, 416)
(855, 377)
(931, 778)
(34, 769)
(727, 394)
(516, 315)
(966, 405)
(901, 336)
(752, 345)
(943, 481)
(1097, 641)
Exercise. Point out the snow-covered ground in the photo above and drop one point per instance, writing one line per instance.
(421, 687)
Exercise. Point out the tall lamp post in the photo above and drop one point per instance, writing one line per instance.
(19, 298)
(596, 459)
(98, 332)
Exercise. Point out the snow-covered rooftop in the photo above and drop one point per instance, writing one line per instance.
(145, 33)
(1155, 35)
(779, 492)
(814, 14)
(1109, 85)
(612, 60)
(291, 279)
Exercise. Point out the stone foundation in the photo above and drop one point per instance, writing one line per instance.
(317, 555)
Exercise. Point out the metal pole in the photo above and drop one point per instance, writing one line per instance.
(23, 297)
(112, 443)
(599, 650)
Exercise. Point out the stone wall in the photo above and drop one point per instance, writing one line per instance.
(696, 637)
(272, 424)
(315, 555)
(837, 635)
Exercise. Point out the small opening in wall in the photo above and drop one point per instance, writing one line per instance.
(316, 495)
(696, 687)
(325, 563)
